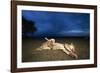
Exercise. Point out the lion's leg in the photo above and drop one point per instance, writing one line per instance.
(43, 48)
(46, 48)
(74, 55)
(70, 53)
(65, 51)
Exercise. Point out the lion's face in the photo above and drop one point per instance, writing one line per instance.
(72, 47)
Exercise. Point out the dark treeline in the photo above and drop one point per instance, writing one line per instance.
(27, 27)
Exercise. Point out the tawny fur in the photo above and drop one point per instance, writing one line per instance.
(69, 49)
(46, 45)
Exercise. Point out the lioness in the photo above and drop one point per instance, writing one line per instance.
(50, 44)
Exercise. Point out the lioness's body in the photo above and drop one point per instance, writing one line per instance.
(50, 44)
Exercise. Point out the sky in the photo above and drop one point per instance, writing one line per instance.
(58, 23)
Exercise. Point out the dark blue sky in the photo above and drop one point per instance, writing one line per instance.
(59, 23)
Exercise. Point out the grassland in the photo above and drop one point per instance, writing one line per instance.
(30, 54)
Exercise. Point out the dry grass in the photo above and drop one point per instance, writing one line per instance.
(30, 54)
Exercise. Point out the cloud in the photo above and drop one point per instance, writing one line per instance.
(74, 33)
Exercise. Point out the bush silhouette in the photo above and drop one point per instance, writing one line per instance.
(27, 27)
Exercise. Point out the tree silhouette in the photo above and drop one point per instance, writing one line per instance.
(27, 27)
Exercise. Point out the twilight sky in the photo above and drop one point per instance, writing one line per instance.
(58, 23)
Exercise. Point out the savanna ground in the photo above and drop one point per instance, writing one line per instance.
(30, 54)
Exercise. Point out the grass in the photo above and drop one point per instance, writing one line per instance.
(30, 54)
